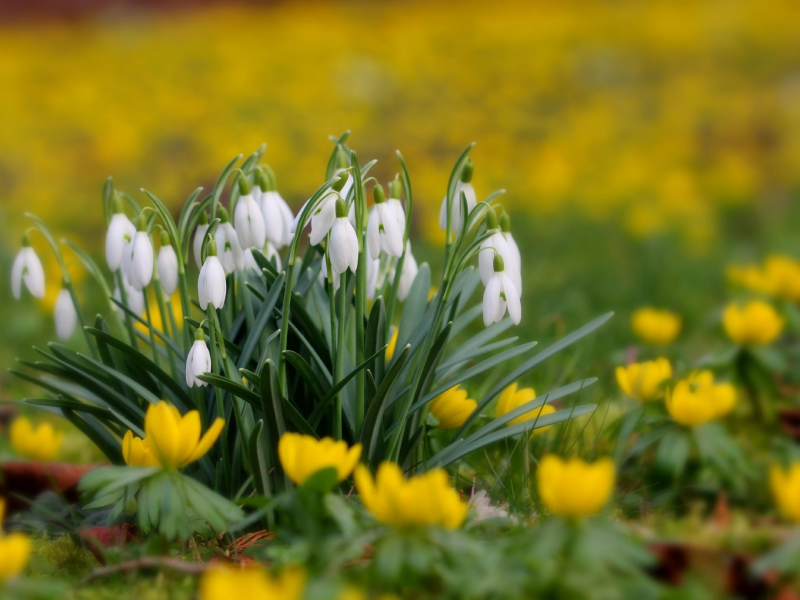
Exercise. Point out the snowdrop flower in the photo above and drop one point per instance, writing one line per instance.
(497, 244)
(514, 256)
(211, 285)
(278, 216)
(343, 245)
(324, 213)
(383, 230)
(65, 316)
(199, 236)
(139, 267)
(500, 294)
(408, 274)
(247, 217)
(395, 206)
(27, 269)
(231, 255)
(134, 299)
(272, 254)
(373, 277)
(464, 185)
(120, 233)
(167, 265)
(198, 361)
(249, 260)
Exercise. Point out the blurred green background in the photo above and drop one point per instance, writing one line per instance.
(644, 145)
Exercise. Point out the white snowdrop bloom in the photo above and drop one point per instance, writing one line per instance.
(496, 244)
(199, 236)
(515, 258)
(134, 299)
(322, 277)
(249, 260)
(343, 245)
(167, 265)
(230, 252)
(211, 285)
(500, 294)
(408, 274)
(278, 217)
(383, 230)
(139, 267)
(464, 185)
(247, 218)
(395, 206)
(120, 233)
(65, 315)
(373, 277)
(272, 254)
(324, 213)
(27, 269)
(198, 361)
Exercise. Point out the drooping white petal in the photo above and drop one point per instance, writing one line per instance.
(512, 300)
(230, 251)
(197, 244)
(168, 269)
(120, 233)
(396, 208)
(373, 277)
(134, 299)
(249, 260)
(373, 234)
(408, 274)
(324, 216)
(198, 362)
(456, 215)
(288, 219)
(491, 301)
(515, 270)
(65, 315)
(496, 244)
(277, 218)
(141, 265)
(391, 235)
(27, 269)
(211, 286)
(249, 223)
(343, 249)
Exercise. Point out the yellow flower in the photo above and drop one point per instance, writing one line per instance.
(644, 381)
(755, 323)
(425, 499)
(779, 277)
(697, 399)
(38, 443)
(657, 327)
(512, 398)
(173, 441)
(252, 583)
(574, 488)
(303, 455)
(452, 408)
(392, 344)
(15, 549)
(785, 486)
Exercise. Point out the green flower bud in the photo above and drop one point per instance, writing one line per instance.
(211, 248)
(378, 195)
(491, 220)
(341, 159)
(222, 213)
(116, 202)
(499, 265)
(466, 171)
(200, 335)
(165, 241)
(505, 223)
(341, 209)
(261, 179)
(339, 183)
(244, 185)
(26, 240)
(395, 188)
(203, 218)
(141, 222)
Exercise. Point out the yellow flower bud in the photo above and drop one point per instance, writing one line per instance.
(303, 455)
(656, 327)
(756, 323)
(644, 381)
(698, 400)
(173, 441)
(452, 408)
(512, 398)
(392, 345)
(37, 443)
(251, 582)
(422, 500)
(785, 486)
(574, 488)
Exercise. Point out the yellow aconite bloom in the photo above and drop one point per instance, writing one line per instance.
(697, 399)
(425, 499)
(15, 549)
(512, 398)
(657, 327)
(779, 277)
(785, 486)
(303, 455)
(37, 443)
(574, 488)
(452, 408)
(754, 323)
(392, 345)
(644, 381)
(173, 441)
(251, 583)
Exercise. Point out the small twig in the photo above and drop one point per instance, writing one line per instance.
(147, 562)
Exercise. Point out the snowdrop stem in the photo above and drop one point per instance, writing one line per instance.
(168, 324)
(392, 297)
(153, 346)
(215, 369)
(123, 296)
(361, 290)
(339, 365)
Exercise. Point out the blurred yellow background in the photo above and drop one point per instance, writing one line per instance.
(651, 113)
